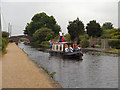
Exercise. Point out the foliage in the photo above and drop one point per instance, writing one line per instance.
(43, 34)
(107, 25)
(56, 39)
(75, 28)
(22, 40)
(36, 42)
(114, 44)
(46, 70)
(94, 29)
(4, 44)
(5, 34)
(41, 20)
(111, 34)
(84, 43)
(85, 36)
(45, 43)
(67, 37)
(114, 50)
(52, 74)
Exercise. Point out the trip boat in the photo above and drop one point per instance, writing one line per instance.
(58, 48)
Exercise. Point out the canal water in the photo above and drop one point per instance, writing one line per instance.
(92, 72)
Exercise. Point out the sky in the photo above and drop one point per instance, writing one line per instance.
(19, 12)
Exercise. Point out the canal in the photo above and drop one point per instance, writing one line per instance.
(92, 72)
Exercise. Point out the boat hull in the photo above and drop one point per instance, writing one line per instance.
(67, 54)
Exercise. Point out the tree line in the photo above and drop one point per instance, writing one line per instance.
(44, 28)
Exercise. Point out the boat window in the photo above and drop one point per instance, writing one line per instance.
(56, 47)
(60, 47)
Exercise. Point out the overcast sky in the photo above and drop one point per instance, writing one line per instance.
(20, 12)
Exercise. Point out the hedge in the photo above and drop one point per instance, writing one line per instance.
(114, 44)
(4, 44)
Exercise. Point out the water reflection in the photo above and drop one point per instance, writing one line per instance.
(91, 72)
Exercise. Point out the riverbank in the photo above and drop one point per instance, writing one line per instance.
(18, 71)
(101, 51)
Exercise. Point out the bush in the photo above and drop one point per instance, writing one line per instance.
(84, 43)
(4, 44)
(114, 44)
(36, 42)
(5, 34)
(85, 36)
(43, 34)
(44, 43)
(67, 37)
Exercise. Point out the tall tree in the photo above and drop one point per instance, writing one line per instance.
(94, 29)
(75, 28)
(107, 25)
(41, 20)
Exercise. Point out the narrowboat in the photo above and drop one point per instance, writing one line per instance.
(58, 48)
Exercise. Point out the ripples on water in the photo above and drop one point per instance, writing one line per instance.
(91, 72)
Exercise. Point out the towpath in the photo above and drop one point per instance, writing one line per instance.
(18, 71)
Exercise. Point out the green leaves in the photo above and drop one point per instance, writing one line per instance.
(107, 25)
(39, 21)
(111, 34)
(75, 28)
(5, 34)
(94, 29)
(43, 34)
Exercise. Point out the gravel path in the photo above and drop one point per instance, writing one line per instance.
(18, 71)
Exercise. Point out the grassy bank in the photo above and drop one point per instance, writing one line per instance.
(44, 44)
(114, 50)
(4, 45)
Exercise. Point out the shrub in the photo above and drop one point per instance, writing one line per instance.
(44, 43)
(84, 43)
(43, 34)
(114, 44)
(67, 37)
(5, 34)
(85, 36)
(36, 42)
(4, 44)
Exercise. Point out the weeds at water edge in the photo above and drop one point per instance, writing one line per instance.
(50, 74)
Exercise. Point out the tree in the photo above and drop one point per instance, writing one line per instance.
(43, 34)
(75, 28)
(111, 34)
(67, 37)
(94, 29)
(107, 25)
(42, 20)
(5, 34)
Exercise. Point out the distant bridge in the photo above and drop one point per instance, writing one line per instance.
(16, 38)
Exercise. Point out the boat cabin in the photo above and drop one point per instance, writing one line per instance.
(60, 46)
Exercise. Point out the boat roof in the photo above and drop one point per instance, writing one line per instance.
(62, 43)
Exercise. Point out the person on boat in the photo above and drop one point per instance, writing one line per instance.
(50, 43)
(60, 36)
(79, 48)
(66, 48)
(70, 48)
(75, 45)
(63, 39)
